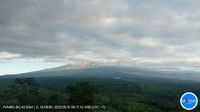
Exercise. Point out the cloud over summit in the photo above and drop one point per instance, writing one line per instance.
(158, 34)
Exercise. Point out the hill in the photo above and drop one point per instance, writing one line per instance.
(121, 89)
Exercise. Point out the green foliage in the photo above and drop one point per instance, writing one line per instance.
(53, 99)
(139, 95)
(25, 91)
(82, 93)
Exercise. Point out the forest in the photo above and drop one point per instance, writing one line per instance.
(141, 94)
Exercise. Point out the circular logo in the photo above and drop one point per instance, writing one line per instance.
(189, 101)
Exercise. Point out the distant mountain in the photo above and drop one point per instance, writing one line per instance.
(75, 67)
(103, 71)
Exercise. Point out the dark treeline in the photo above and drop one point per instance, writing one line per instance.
(118, 95)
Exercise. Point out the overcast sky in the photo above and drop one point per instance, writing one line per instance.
(159, 34)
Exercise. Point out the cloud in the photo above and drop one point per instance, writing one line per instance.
(5, 56)
(130, 32)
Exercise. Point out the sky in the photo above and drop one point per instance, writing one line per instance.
(157, 34)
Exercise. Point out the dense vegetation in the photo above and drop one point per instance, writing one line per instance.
(139, 94)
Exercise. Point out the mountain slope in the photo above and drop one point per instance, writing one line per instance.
(118, 72)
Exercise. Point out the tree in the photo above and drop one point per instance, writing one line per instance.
(25, 90)
(83, 93)
(53, 99)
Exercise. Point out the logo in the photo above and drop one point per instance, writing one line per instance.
(189, 101)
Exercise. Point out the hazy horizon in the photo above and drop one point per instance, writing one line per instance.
(36, 35)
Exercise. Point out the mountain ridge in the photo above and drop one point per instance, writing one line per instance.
(99, 70)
